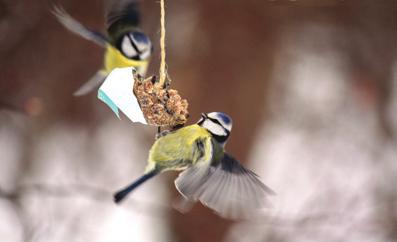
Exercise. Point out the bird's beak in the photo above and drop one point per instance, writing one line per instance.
(203, 115)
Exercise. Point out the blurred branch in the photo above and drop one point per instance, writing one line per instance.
(7, 195)
(92, 192)
(155, 209)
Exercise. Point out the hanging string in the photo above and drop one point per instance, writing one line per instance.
(163, 72)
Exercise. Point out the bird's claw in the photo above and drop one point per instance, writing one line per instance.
(161, 133)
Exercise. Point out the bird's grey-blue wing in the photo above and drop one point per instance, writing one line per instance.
(122, 12)
(96, 80)
(226, 187)
(190, 180)
(75, 27)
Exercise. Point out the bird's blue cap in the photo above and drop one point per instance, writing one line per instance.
(225, 118)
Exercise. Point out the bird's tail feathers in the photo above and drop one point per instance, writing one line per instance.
(120, 195)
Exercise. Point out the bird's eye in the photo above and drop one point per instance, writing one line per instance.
(136, 45)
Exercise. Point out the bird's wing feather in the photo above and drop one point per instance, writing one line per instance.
(190, 180)
(91, 84)
(227, 187)
(125, 10)
(74, 26)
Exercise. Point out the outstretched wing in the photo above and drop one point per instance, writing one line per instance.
(74, 26)
(227, 187)
(122, 12)
(94, 82)
(190, 180)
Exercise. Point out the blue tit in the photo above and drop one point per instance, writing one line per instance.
(125, 45)
(209, 174)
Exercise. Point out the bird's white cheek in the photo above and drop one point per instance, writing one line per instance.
(127, 48)
(214, 128)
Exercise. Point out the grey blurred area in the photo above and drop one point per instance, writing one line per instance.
(310, 85)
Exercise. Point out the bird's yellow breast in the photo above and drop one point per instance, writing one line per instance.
(115, 59)
(178, 149)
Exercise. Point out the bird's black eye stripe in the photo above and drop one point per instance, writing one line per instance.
(133, 44)
(215, 121)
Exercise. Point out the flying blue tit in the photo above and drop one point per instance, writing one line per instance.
(209, 174)
(125, 45)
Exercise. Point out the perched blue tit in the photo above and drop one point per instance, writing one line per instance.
(125, 45)
(210, 175)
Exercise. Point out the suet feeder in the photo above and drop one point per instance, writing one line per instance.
(160, 105)
(143, 100)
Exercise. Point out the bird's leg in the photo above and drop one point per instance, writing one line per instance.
(176, 127)
(161, 133)
(153, 80)
(158, 132)
(134, 72)
(136, 75)
(167, 85)
(165, 132)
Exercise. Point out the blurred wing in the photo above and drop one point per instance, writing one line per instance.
(123, 11)
(230, 189)
(190, 180)
(91, 84)
(74, 26)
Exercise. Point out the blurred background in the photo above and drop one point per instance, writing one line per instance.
(311, 87)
